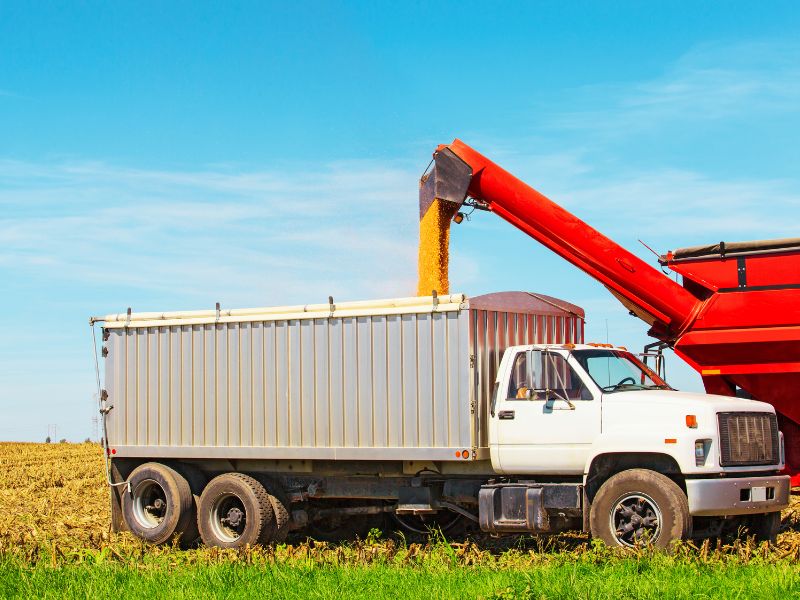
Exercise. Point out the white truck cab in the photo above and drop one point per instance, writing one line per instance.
(576, 410)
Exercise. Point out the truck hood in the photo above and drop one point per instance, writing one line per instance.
(684, 401)
(663, 412)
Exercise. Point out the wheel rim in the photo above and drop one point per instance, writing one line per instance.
(636, 519)
(149, 503)
(228, 518)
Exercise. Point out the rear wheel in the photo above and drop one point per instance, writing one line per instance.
(280, 509)
(197, 481)
(235, 510)
(159, 506)
(640, 507)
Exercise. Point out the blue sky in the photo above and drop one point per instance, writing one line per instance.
(172, 155)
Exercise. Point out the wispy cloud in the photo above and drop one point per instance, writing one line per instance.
(244, 235)
(710, 83)
(669, 207)
(587, 156)
(675, 207)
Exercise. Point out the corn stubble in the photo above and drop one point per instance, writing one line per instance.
(55, 503)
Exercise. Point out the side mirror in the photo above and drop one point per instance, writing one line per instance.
(550, 403)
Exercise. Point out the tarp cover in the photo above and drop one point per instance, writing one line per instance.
(737, 248)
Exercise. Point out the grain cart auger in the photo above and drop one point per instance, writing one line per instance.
(735, 319)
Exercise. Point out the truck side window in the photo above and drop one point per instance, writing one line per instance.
(534, 375)
(518, 382)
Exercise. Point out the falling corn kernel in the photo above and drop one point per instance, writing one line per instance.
(434, 243)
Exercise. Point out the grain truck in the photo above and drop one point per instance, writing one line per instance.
(237, 426)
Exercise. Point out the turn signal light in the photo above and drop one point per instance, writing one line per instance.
(691, 421)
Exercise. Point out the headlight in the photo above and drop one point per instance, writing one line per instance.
(782, 448)
(701, 448)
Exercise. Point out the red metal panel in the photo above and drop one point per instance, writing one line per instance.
(782, 268)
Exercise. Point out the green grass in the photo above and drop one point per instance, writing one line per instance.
(57, 544)
(589, 575)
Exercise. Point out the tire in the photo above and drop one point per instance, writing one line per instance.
(279, 502)
(159, 506)
(765, 527)
(234, 511)
(197, 481)
(645, 507)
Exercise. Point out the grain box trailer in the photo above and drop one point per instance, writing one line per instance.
(237, 426)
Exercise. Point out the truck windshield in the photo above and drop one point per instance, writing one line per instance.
(618, 371)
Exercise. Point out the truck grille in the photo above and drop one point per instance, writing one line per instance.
(748, 438)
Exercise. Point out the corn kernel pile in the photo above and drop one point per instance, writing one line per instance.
(434, 242)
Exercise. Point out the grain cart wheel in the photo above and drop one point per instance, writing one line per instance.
(159, 505)
(765, 527)
(639, 506)
(235, 510)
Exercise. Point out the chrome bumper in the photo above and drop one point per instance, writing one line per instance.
(737, 496)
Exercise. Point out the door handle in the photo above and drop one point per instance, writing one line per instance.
(505, 415)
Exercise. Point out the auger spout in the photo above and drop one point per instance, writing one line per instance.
(460, 172)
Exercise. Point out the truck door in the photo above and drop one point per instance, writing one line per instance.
(547, 419)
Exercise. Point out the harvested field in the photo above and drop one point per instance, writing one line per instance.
(57, 493)
(56, 540)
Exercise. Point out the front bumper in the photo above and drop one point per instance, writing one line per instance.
(737, 495)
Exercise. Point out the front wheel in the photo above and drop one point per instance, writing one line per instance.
(640, 507)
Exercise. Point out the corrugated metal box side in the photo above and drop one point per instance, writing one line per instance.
(376, 386)
(414, 384)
